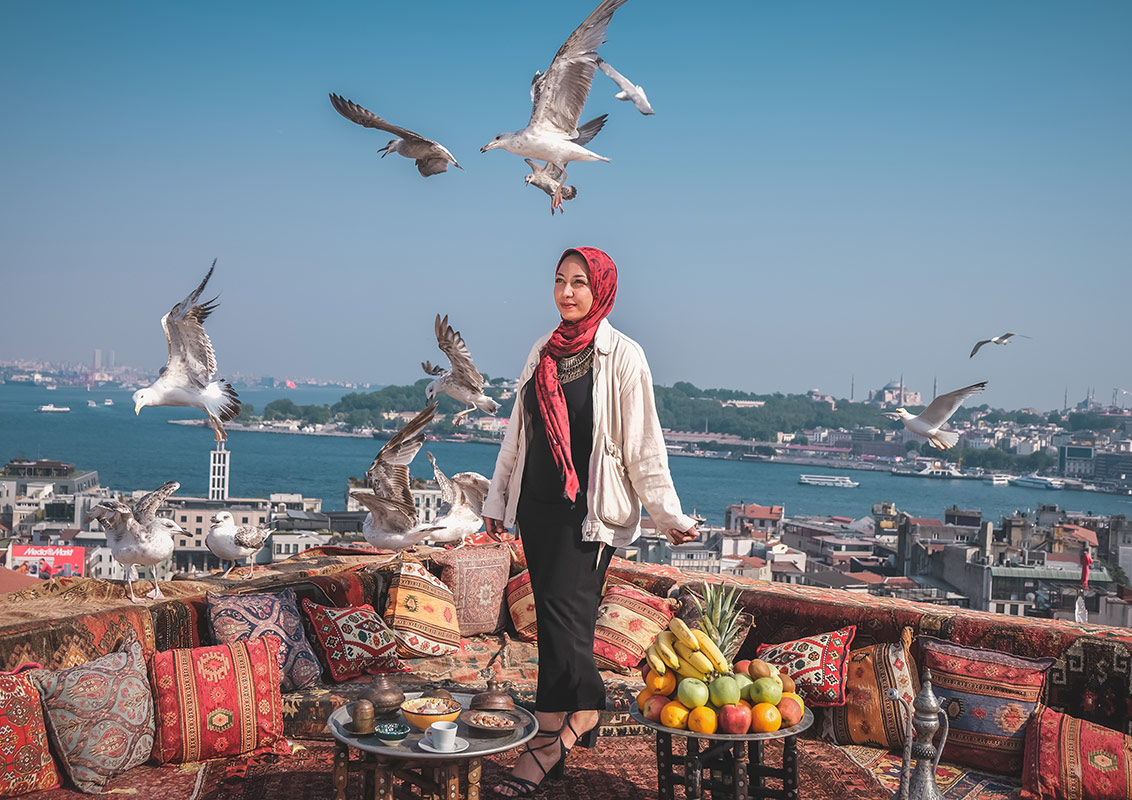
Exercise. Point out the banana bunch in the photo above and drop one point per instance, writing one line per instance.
(691, 653)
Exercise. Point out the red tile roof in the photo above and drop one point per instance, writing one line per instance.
(755, 511)
(1080, 534)
(866, 576)
(753, 561)
(924, 521)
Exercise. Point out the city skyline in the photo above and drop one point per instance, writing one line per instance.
(826, 194)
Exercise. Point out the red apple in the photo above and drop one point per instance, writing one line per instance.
(791, 711)
(653, 706)
(734, 718)
(740, 667)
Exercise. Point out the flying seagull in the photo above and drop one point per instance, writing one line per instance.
(392, 518)
(629, 91)
(187, 378)
(557, 97)
(431, 157)
(463, 382)
(548, 177)
(138, 536)
(461, 511)
(231, 543)
(1003, 339)
(929, 421)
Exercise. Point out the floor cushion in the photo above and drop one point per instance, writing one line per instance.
(25, 760)
(100, 715)
(422, 612)
(354, 640)
(237, 617)
(987, 696)
(521, 604)
(628, 621)
(868, 716)
(818, 664)
(218, 701)
(1072, 759)
(478, 578)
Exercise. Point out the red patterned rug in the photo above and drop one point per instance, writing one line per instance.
(956, 783)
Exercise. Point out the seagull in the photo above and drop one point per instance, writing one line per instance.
(138, 536)
(928, 422)
(463, 382)
(431, 157)
(1003, 339)
(187, 378)
(548, 177)
(557, 97)
(462, 497)
(392, 518)
(230, 543)
(629, 90)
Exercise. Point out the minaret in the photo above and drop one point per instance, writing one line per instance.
(901, 402)
(852, 386)
(218, 473)
(935, 387)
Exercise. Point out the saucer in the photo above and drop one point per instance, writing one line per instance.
(348, 726)
(461, 746)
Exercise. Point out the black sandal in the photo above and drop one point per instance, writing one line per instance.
(588, 739)
(521, 787)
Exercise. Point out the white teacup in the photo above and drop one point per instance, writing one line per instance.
(442, 735)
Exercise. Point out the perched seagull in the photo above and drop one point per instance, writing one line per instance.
(431, 157)
(461, 512)
(629, 90)
(463, 382)
(138, 536)
(187, 378)
(929, 421)
(392, 518)
(230, 543)
(549, 177)
(1003, 339)
(557, 97)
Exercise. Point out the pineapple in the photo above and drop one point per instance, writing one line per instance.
(719, 616)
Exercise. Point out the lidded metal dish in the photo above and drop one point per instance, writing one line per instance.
(494, 699)
(385, 695)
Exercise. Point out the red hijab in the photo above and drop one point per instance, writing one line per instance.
(570, 338)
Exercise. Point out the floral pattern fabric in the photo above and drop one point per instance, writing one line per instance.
(1071, 759)
(25, 762)
(521, 604)
(628, 621)
(818, 664)
(477, 576)
(354, 640)
(422, 613)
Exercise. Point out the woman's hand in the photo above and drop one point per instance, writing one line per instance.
(494, 527)
(683, 537)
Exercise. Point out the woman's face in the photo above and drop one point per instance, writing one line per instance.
(572, 289)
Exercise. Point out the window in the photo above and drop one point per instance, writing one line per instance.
(245, 520)
(278, 549)
(184, 518)
(199, 519)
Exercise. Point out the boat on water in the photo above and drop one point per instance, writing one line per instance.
(838, 481)
(1037, 482)
(107, 402)
(91, 404)
(50, 408)
(940, 469)
(999, 480)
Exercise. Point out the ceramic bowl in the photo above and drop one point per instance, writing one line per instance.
(421, 719)
(391, 733)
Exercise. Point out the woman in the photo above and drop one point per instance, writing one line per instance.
(583, 450)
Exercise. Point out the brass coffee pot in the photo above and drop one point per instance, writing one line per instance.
(919, 783)
(385, 695)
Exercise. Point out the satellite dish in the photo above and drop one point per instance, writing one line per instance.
(1031, 597)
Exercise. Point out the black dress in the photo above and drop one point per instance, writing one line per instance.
(566, 573)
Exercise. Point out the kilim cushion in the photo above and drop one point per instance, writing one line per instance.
(1071, 759)
(422, 613)
(25, 762)
(354, 640)
(521, 603)
(100, 715)
(477, 577)
(816, 663)
(868, 716)
(218, 701)
(236, 617)
(987, 696)
(628, 621)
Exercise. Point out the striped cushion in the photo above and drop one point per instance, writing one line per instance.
(521, 602)
(627, 622)
(422, 613)
(868, 716)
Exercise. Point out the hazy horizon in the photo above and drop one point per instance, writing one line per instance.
(827, 191)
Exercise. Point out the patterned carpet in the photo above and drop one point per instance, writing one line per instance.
(956, 783)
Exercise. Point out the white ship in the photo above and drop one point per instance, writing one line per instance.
(53, 409)
(939, 469)
(1037, 482)
(999, 480)
(91, 404)
(107, 402)
(839, 481)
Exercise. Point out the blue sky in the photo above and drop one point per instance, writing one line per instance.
(827, 190)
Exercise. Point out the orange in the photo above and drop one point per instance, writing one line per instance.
(765, 718)
(645, 694)
(661, 684)
(743, 702)
(675, 715)
(703, 720)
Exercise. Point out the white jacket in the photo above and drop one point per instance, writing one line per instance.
(628, 464)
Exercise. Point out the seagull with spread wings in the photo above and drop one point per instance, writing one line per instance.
(187, 379)
(461, 510)
(1003, 339)
(462, 382)
(929, 422)
(548, 177)
(629, 90)
(392, 518)
(138, 536)
(230, 542)
(557, 97)
(431, 157)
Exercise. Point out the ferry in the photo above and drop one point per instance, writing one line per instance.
(999, 480)
(1037, 482)
(53, 409)
(838, 481)
(91, 404)
(107, 402)
(937, 470)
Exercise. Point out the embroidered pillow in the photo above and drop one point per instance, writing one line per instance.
(816, 663)
(987, 696)
(237, 617)
(422, 613)
(100, 715)
(477, 577)
(868, 716)
(354, 640)
(25, 762)
(218, 701)
(1071, 759)
(628, 621)
(521, 604)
